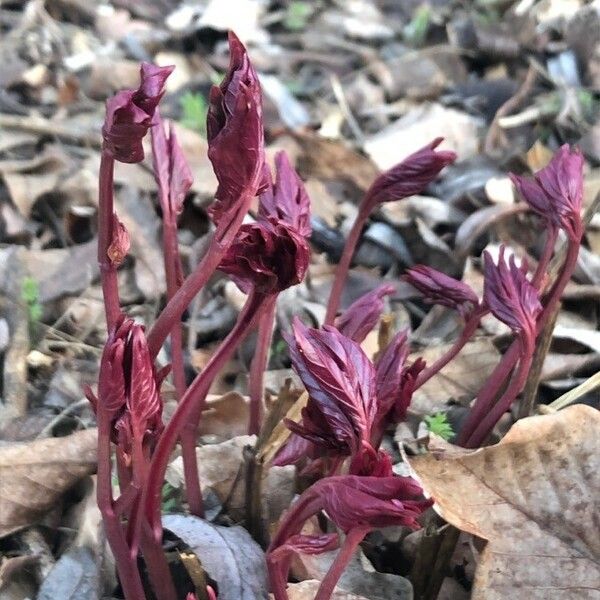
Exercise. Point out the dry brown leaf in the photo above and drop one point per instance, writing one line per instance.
(459, 380)
(480, 221)
(281, 433)
(36, 474)
(534, 497)
(225, 416)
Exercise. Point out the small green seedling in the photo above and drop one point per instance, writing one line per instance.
(30, 295)
(194, 108)
(297, 16)
(439, 425)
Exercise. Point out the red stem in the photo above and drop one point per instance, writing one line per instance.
(172, 268)
(108, 271)
(489, 391)
(220, 242)
(341, 271)
(191, 475)
(293, 520)
(259, 365)
(189, 405)
(278, 570)
(157, 566)
(515, 387)
(353, 538)
(467, 333)
(129, 576)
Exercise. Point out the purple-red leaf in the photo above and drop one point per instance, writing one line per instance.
(340, 381)
(295, 449)
(509, 295)
(389, 372)
(362, 315)
(128, 387)
(306, 544)
(111, 379)
(171, 170)
(268, 256)
(235, 134)
(411, 176)
(352, 501)
(286, 200)
(129, 114)
(151, 90)
(556, 191)
(144, 403)
(439, 288)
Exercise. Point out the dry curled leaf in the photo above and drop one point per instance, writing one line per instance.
(534, 497)
(36, 474)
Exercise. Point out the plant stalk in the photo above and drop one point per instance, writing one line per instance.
(129, 575)
(517, 383)
(108, 271)
(467, 333)
(190, 404)
(259, 365)
(353, 538)
(341, 272)
(488, 392)
(220, 242)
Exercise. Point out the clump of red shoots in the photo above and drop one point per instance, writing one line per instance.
(351, 399)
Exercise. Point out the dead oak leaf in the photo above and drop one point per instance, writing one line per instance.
(34, 475)
(534, 498)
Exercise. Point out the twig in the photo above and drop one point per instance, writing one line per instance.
(74, 407)
(338, 92)
(494, 132)
(528, 401)
(573, 395)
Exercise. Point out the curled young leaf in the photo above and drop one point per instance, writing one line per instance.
(510, 296)
(128, 387)
(119, 247)
(234, 128)
(340, 381)
(556, 192)
(395, 382)
(268, 256)
(286, 200)
(411, 176)
(439, 288)
(171, 170)
(362, 315)
(129, 114)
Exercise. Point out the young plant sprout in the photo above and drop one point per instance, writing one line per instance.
(352, 400)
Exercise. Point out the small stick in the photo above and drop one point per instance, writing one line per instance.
(494, 132)
(528, 401)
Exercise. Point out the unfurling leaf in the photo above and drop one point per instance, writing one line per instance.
(286, 200)
(129, 114)
(362, 316)
(234, 129)
(510, 296)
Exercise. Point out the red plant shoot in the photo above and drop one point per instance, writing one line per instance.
(352, 400)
